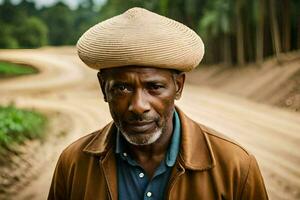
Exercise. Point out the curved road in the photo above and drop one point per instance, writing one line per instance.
(65, 86)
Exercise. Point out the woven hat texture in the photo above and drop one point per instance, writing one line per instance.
(142, 38)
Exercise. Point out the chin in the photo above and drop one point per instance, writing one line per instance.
(143, 139)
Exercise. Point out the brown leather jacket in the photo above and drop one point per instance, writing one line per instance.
(209, 167)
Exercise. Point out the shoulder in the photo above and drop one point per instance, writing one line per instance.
(229, 156)
(73, 153)
(222, 142)
(233, 160)
(198, 140)
(76, 150)
(79, 144)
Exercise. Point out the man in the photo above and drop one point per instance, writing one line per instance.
(151, 150)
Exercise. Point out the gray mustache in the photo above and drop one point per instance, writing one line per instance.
(141, 118)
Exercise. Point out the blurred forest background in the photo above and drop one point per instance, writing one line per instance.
(235, 32)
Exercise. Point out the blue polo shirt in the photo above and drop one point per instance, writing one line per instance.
(133, 182)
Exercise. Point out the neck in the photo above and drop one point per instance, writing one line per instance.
(150, 156)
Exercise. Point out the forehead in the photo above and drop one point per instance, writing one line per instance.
(137, 72)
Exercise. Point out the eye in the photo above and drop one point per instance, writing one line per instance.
(121, 87)
(155, 86)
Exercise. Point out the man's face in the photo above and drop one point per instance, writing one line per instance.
(141, 101)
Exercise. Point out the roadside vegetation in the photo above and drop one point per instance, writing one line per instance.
(18, 125)
(10, 69)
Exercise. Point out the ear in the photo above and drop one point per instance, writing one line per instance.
(179, 83)
(102, 85)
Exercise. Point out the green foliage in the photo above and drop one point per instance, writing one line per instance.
(32, 33)
(25, 26)
(84, 18)
(6, 37)
(10, 69)
(19, 28)
(217, 18)
(17, 125)
(59, 20)
(163, 5)
(116, 7)
(10, 15)
(295, 7)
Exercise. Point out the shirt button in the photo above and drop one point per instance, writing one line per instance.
(141, 175)
(125, 154)
(149, 194)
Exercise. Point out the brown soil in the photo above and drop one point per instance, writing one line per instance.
(275, 82)
(69, 94)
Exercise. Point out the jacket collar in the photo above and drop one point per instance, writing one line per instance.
(102, 141)
(195, 150)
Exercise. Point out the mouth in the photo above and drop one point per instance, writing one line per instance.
(141, 126)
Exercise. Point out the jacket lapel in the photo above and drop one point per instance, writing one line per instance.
(195, 151)
(102, 145)
(110, 173)
(102, 141)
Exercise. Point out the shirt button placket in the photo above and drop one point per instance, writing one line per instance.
(141, 175)
(149, 194)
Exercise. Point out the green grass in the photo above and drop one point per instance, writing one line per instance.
(18, 125)
(10, 69)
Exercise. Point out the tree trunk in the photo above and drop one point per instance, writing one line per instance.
(249, 39)
(298, 32)
(274, 28)
(227, 50)
(286, 18)
(240, 34)
(260, 32)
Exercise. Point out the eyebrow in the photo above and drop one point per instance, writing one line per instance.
(155, 80)
(144, 79)
(114, 82)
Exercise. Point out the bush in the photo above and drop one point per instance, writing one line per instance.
(17, 125)
(10, 69)
(32, 33)
(6, 38)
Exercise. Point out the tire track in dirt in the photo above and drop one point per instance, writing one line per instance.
(51, 77)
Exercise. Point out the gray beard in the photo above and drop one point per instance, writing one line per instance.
(142, 140)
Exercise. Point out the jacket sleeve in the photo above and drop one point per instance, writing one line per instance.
(58, 189)
(254, 187)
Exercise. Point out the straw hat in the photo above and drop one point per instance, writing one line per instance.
(142, 38)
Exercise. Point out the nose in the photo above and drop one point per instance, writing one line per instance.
(139, 103)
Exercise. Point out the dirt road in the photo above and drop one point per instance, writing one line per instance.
(70, 93)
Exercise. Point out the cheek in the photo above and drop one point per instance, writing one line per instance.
(169, 110)
(117, 108)
(164, 106)
(168, 99)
